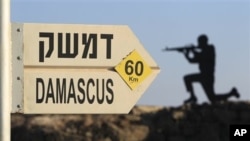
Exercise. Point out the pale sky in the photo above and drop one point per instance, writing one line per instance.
(157, 24)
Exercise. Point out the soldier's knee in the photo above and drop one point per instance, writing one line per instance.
(186, 78)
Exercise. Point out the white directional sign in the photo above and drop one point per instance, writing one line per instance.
(63, 68)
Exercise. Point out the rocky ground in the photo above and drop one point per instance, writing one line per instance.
(144, 123)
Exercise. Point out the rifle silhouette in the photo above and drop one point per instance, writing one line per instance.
(181, 49)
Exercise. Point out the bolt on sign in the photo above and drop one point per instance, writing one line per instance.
(68, 68)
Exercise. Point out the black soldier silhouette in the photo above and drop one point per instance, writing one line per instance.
(204, 56)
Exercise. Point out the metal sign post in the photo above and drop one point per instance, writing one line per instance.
(5, 70)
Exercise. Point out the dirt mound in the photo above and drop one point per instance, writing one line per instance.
(144, 123)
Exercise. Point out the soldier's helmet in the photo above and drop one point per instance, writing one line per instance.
(203, 39)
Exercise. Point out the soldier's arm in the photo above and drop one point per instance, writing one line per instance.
(193, 58)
